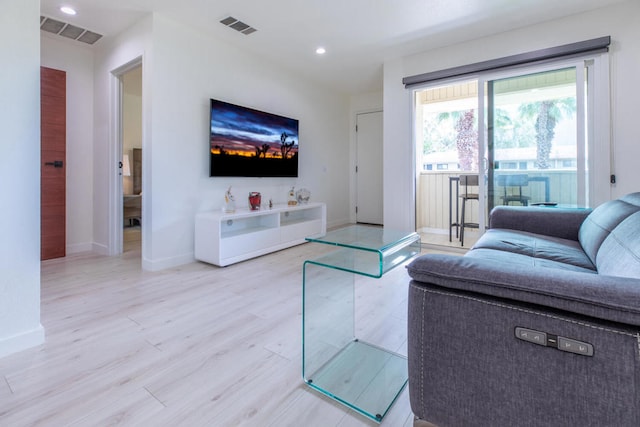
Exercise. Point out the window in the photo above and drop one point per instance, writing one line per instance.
(540, 121)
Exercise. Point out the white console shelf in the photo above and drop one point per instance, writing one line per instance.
(226, 238)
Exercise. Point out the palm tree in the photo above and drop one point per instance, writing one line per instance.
(466, 137)
(467, 141)
(547, 114)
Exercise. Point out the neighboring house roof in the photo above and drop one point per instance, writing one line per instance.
(505, 154)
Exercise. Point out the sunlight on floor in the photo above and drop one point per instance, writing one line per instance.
(442, 240)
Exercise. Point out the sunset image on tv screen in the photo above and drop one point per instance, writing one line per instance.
(248, 142)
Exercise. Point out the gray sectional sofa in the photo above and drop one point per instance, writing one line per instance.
(537, 325)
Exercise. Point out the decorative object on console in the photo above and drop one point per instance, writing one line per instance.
(270, 203)
(291, 200)
(302, 196)
(255, 198)
(229, 202)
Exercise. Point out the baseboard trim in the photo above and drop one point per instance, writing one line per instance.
(162, 264)
(22, 341)
(100, 249)
(77, 248)
(338, 224)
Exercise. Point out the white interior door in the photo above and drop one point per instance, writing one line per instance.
(369, 195)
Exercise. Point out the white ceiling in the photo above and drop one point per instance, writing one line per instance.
(358, 34)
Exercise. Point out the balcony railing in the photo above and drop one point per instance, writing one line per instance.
(432, 195)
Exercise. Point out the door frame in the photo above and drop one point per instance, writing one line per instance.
(597, 102)
(45, 147)
(592, 177)
(352, 155)
(355, 169)
(115, 154)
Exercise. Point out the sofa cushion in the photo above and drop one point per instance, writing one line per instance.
(524, 261)
(582, 292)
(597, 226)
(537, 246)
(550, 221)
(619, 254)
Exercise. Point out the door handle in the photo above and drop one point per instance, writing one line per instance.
(55, 164)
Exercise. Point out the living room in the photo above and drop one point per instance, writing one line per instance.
(183, 68)
(176, 197)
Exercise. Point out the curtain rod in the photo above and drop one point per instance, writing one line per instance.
(593, 45)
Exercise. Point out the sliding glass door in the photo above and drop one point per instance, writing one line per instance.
(528, 133)
(446, 132)
(535, 139)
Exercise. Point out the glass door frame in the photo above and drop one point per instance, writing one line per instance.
(485, 102)
(593, 137)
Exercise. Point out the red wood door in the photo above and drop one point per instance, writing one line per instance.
(53, 167)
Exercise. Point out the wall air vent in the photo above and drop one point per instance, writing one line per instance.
(67, 30)
(240, 26)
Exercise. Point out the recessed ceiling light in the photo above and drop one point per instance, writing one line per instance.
(68, 10)
(321, 51)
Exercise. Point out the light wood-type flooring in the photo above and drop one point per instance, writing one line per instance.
(195, 345)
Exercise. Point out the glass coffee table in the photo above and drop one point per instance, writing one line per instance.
(362, 376)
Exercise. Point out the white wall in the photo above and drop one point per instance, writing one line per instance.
(110, 58)
(190, 68)
(76, 60)
(20, 176)
(619, 21)
(398, 151)
(182, 70)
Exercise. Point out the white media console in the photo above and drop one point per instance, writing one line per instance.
(226, 238)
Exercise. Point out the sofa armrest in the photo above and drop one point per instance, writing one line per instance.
(548, 221)
(604, 297)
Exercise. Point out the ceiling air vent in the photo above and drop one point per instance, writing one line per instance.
(71, 31)
(240, 26)
(67, 30)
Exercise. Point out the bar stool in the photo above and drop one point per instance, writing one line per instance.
(467, 181)
(519, 181)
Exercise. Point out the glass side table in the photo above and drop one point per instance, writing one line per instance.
(362, 376)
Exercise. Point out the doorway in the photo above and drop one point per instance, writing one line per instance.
(53, 95)
(525, 133)
(131, 161)
(446, 129)
(369, 184)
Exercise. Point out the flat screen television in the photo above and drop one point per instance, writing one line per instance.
(250, 143)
